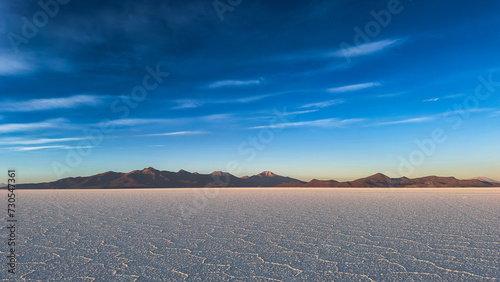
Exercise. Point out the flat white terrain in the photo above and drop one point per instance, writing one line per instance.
(258, 234)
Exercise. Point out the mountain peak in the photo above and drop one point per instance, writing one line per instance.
(183, 171)
(219, 173)
(149, 170)
(266, 174)
(378, 175)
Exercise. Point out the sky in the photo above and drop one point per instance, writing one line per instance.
(308, 89)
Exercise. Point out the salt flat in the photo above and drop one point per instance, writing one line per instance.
(259, 234)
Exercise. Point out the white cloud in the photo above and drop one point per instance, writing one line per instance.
(178, 133)
(143, 121)
(235, 83)
(365, 49)
(52, 103)
(137, 121)
(433, 117)
(324, 104)
(17, 127)
(330, 122)
(193, 103)
(189, 104)
(389, 95)
(21, 141)
(353, 87)
(431, 100)
(453, 96)
(251, 98)
(11, 66)
(495, 114)
(300, 112)
(461, 112)
(411, 120)
(22, 149)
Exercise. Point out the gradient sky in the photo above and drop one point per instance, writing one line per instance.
(309, 89)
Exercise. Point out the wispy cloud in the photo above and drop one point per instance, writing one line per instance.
(144, 121)
(52, 103)
(467, 111)
(194, 103)
(235, 83)
(272, 115)
(324, 104)
(251, 98)
(365, 49)
(299, 112)
(411, 120)
(21, 149)
(452, 96)
(495, 114)
(189, 104)
(389, 95)
(330, 122)
(19, 127)
(11, 66)
(138, 121)
(178, 133)
(431, 100)
(433, 117)
(345, 51)
(21, 141)
(216, 117)
(353, 87)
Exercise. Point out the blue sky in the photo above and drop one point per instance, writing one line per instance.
(309, 89)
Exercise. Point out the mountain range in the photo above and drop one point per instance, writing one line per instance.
(153, 178)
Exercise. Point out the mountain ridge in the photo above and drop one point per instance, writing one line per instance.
(153, 178)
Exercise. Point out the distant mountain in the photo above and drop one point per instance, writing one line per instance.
(2, 185)
(153, 178)
(482, 178)
(269, 179)
(381, 180)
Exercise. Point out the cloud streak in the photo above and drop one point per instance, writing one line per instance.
(324, 104)
(178, 133)
(353, 87)
(330, 122)
(433, 117)
(19, 127)
(235, 83)
(193, 103)
(411, 120)
(11, 66)
(52, 103)
(431, 100)
(20, 141)
(64, 147)
(366, 49)
(138, 121)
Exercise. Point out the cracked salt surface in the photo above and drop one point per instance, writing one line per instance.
(259, 234)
